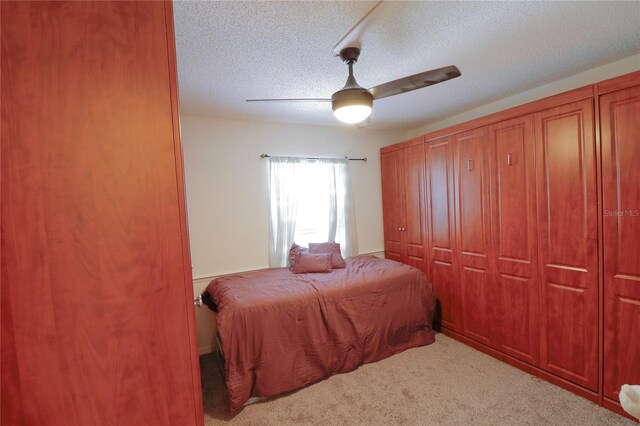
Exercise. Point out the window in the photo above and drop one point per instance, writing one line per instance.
(309, 202)
(312, 223)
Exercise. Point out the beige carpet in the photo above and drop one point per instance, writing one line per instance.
(446, 383)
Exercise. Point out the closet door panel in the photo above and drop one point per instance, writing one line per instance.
(96, 288)
(441, 231)
(567, 217)
(476, 318)
(414, 234)
(514, 237)
(620, 127)
(392, 204)
(473, 234)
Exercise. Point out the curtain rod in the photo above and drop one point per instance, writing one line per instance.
(318, 158)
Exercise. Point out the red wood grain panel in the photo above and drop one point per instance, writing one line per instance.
(440, 212)
(392, 204)
(95, 296)
(618, 83)
(620, 133)
(184, 228)
(570, 96)
(567, 218)
(414, 232)
(473, 234)
(514, 237)
(571, 303)
(419, 140)
(615, 406)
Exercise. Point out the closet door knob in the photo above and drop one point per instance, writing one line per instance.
(509, 159)
(399, 229)
(469, 165)
(198, 301)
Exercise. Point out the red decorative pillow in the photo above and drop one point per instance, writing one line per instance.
(292, 254)
(307, 262)
(333, 248)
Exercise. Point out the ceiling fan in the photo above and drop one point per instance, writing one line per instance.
(352, 104)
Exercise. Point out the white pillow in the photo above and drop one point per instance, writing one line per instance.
(630, 399)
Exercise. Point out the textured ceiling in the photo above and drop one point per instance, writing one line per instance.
(229, 51)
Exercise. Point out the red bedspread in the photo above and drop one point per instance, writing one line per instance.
(280, 331)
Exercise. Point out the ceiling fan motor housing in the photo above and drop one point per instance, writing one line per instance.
(352, 93)
(350, 54)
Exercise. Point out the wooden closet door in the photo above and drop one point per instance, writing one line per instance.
(413, 228)
(474, 236)
(514, 237)
(568, 231)
(97, 308)
(620, 127)
(392, 204)
(440, 214)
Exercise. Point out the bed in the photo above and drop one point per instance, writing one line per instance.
(279, 331)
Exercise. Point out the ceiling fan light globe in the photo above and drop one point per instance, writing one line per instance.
(352, 114)
(352, 106)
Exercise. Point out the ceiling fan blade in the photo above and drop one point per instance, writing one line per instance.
(352, 37)
(290, 100)
(416, 81)
(364, 123)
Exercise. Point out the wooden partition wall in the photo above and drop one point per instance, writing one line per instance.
(98, 325)
(527, 222)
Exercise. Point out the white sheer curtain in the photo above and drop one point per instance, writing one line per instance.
(341, 214)
(317, 195)
(283, 206)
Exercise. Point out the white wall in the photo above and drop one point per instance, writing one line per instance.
(591, 76)
(227, 193)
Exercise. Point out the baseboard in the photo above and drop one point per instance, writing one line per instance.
(535, 371)
(615, 406)
(200, 284)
